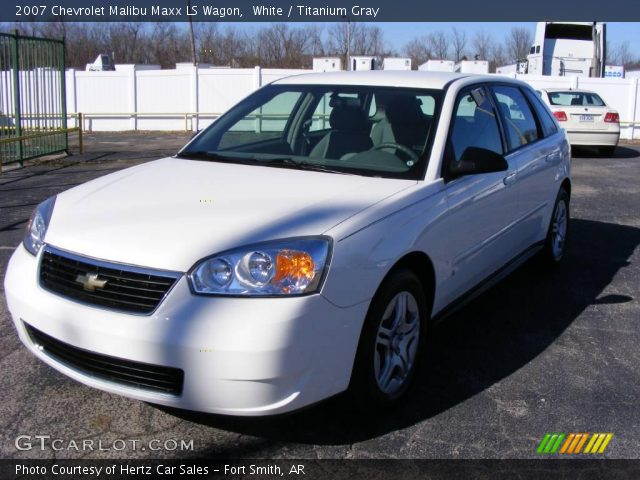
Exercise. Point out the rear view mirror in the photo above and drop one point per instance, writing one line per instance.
(476, 160)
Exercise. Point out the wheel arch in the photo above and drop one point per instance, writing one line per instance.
(422, 266)
(566, 184)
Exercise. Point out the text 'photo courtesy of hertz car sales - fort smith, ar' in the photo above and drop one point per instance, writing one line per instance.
(299, 246)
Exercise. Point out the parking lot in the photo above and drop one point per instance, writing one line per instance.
(540, 352)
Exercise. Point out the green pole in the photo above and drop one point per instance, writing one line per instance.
(16, 92)
(63, 96)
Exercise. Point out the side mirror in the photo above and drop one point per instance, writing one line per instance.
(476, 160)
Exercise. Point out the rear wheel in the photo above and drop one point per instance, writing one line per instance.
(556, 241)
(390, 342)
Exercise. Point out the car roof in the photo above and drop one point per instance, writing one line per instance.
(572, 90)
(379, 78)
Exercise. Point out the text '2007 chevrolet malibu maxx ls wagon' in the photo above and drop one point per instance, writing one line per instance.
(298, 246)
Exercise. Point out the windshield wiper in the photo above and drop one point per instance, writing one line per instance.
(213, 156)
(287, 162)
(281, 162)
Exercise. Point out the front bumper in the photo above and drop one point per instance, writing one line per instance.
(240, 356)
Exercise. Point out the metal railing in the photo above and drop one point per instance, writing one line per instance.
(187, 116)
(33, 110)
(25, 139)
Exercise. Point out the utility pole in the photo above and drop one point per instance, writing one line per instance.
(193, 39)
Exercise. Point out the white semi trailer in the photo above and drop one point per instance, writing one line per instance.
(567, 48)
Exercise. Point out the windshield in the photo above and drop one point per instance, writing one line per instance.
(363, 130)
(573, 99)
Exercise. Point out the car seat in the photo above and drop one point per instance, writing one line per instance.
(401, 121)
(349, 132)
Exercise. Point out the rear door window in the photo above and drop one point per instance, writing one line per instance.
(518, 119)
(474, 125)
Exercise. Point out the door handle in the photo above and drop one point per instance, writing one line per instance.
(552, 157)
(510, 178)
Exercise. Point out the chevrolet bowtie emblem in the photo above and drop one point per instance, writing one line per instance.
(90, 281)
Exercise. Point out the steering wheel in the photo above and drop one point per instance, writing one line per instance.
(396, 146)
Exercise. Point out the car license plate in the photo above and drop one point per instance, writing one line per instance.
(586, 118)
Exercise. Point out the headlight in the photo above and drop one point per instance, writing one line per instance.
(284, 267)
(37, 226)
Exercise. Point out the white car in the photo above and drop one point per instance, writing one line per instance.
(299, 246)
(586, 118)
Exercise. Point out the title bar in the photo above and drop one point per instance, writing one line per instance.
(317, 11)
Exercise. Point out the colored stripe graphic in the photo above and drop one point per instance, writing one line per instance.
(543, 443)
(556, 445)
(598, 443)
(582, 440)
(593, 439)
(572, 443)
(567, 443)
(550, 443)
(607, 439)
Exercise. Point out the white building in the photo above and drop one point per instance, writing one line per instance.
(473, 66)
(327, 64)
(396, 63)
(437, 66)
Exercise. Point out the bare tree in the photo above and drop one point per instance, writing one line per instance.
(356, 38)
(458, 43)
(482, 45)
(518, 43)
(438, 44)
(620, 54)
(125, 42)
(418, 51)
(367, 40)
(317, 46)
(280, 45)
(498, 57)
(168, 45)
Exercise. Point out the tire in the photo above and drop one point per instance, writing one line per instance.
(607, 151)
(557, 233)
(390, 344)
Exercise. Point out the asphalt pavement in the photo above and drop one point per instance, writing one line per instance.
(540, 352)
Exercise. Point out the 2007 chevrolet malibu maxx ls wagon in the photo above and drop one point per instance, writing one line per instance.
(299, 246)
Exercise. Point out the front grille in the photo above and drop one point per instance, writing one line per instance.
(125, 372)
(127, 288)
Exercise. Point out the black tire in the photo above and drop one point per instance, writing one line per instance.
(364, 389)
(550, 254)
(607, 151)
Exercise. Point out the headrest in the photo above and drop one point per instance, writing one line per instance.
(337, 101)
(348, 118)
(576, 101)
(404, 109)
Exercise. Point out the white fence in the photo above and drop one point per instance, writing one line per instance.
(190, 98)
(184, 98)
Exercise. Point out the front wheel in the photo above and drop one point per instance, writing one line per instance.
(390, 342)
(556, 241)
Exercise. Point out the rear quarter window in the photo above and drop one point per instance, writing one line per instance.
(549, 126)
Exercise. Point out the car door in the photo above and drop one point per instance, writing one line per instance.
(480, 207)
(536, 149)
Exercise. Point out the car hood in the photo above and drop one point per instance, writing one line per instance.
(170, 213)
